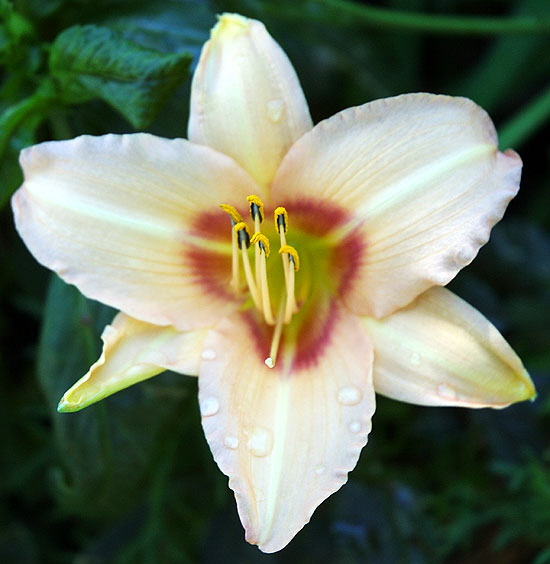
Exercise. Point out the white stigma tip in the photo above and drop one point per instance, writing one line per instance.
(270, 363)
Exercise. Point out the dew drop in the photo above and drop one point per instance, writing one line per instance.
(275, 109)
(319, 470)
(355, 426)
(446, 392)
(208, 354)
(260, 441)
(349, 395)
(209, 406)
(415, 359)
(231, 442)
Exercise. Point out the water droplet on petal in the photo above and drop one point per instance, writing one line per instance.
(349, 395)
(208, 354)
(231, 442)
(446, 392)
(275, 109)
(319, 470)
(415, 359)
(209, 406)
(355, 426)
(260, 441)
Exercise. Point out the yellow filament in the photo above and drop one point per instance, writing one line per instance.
(280, 216)
(244, 242)
(291, 306)
(257, 279)
(235, 271)
(291, 265)
(262, 244)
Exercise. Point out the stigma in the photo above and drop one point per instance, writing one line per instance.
(250, 274)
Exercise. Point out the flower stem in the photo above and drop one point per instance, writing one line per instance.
(434, 23)
(518, 129)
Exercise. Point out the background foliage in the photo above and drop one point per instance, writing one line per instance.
(131, 480)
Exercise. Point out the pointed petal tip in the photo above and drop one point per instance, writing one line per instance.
(231, 24)
(68, 405)
(529, 392)
(65, 407)
(442, 351)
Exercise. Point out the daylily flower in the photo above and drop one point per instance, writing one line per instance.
(296, 269)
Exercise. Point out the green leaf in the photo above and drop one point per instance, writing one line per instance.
(94, 62)
(14, 31)
(110, 453)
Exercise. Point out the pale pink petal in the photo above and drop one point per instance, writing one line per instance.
(132, 352)
(286, 437)
(134, 222)
(246, 100)
(441, 351)
(421, 181)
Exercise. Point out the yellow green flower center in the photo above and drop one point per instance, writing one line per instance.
(258, 277)
(289, 298)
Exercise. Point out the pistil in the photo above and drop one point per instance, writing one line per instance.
(235, 217)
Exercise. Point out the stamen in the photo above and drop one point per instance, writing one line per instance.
(262, 243)
(235, 271)
(256, 208)
(244, 242)
(293, 266)
(233, 213)
(244, 236)
(280, 216)
(292, 255)
(256, 279)
(257, 213)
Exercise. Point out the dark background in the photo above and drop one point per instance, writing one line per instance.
(131, 480)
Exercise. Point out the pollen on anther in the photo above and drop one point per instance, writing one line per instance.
(262, 240)
(233, 213)
(280, 216)
(242, 231)
(292, 254)
(256, 207)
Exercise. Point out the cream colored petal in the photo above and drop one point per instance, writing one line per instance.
(246, 100)
(422, 180)
(134, 351)
(286, 438)
(441, 351)
(126, 219)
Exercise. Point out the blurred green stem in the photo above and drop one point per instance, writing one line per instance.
(14, 116)
(433, 23)
(526, 122)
